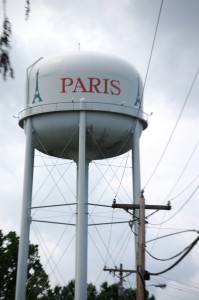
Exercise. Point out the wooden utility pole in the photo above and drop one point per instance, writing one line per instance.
(140, 292)
(140, 255)
(121, 278)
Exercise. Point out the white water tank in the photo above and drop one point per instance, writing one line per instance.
(106, 87)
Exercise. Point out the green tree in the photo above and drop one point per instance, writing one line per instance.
(37, 284)
(108, 292)
(61, 293)
(8, 264)
(91, 291)
(68, 292)
(5, 64)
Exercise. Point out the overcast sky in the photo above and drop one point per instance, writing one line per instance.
(168, 147)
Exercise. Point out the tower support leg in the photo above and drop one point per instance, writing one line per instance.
(82, 214)
(22, 265)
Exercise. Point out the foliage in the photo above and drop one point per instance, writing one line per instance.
(8, 264)
(91, 292)
(68, 292)
(62, 293)
(5, 64)
(107, 292)
(37, 285)
(27, 7)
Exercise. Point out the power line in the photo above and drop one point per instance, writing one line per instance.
(174, 233)
(183, 283)
(184, 190)
(179, 260)
(174, 128)
(125, 245)
(152, 48)
(192, 194)
(183, 287)
(183, 170)
(149, 63)
(169, 258)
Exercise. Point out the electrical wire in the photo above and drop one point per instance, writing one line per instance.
(122, 241)
(183, 170)
(184, 190)
(166, 259)
(149, 64)
(178, 261)
(183, 283)
(170, 228)
(152, 48)
(177, 211)
(146, 71)
(125, 246)
(174, 233)
(183, 287)
(190, 292)
(179, 288)
(174, 128)
(185, 203)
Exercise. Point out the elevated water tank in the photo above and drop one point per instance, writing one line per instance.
(106, 87)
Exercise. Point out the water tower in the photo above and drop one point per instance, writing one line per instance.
(90, 102)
